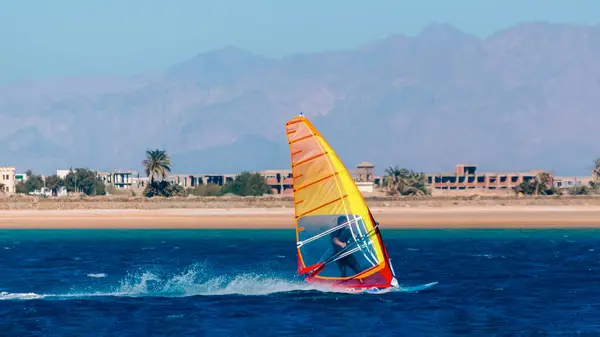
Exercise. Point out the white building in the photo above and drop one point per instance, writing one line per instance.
(119, 179)
(7, 179)
(365, 186)
(568, 182)
(20, 177)
(62, 174)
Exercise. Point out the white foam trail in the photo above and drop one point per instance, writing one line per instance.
(98, 275)
(19, 296)
(194, 281)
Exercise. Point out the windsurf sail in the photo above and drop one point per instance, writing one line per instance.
(328, 205)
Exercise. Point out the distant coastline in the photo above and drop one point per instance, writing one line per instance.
(274, 212)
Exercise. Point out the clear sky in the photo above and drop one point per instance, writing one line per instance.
(44, 38)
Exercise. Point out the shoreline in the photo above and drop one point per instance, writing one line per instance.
(276, 202)
(575, 216)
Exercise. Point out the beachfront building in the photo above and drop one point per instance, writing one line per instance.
(7, 180)
(48, 192)
(364, 177)
(280, 181)
(20, 178)
(118, 179)
(467, 177)
(193, 180)
(121, 180)
(565, 183)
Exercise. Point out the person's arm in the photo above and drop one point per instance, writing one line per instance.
(338, 242)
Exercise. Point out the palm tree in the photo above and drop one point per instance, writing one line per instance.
(404, 182)
(540, 184)
(596, 171)
(542, 181)
(390, 181)
(157, 164)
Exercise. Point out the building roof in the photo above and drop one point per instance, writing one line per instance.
(365, 164)
(581, 178)
(277, 171)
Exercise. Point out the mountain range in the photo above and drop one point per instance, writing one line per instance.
(527, 97)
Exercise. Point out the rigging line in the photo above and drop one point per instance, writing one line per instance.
(350, 252)
(332, 258)
(380, 239)
(331, 230)
(368, 249)
(323, 256)
(354, 277)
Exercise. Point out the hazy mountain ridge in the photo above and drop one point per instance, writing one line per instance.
(524, 98)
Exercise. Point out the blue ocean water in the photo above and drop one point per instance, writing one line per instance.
(244, 283)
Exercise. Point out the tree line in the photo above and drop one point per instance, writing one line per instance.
(79, 180)
(542, 185)
(157, 166)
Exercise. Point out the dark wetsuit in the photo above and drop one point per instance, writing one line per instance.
(349, 261)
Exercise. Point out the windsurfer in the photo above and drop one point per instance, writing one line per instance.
(340, 239)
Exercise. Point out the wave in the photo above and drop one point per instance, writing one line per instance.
(194, 281)
(489, 256)
(19, 296)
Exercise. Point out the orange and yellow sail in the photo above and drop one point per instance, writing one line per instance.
(324, 191)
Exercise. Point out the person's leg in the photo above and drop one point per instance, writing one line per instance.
(353, 264)
(342, 267)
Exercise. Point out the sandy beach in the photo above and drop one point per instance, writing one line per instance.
(264, 218)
